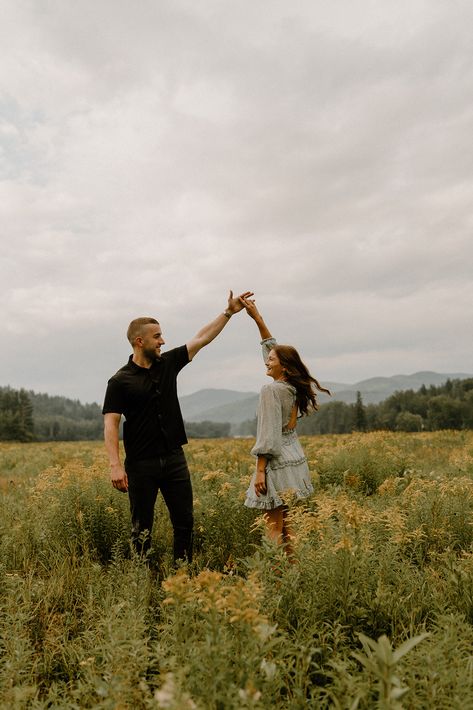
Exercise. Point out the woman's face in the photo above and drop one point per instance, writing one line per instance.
(273, 366)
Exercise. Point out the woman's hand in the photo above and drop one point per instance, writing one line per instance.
(250, 307)
(237, 303)
(260, 482)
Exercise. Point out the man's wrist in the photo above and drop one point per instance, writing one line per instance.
(227, 313)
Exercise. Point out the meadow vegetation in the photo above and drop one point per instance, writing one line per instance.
(376, 609)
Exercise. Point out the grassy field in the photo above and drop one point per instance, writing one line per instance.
(376, 611)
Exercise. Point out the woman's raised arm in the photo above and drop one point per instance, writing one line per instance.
(253, 312)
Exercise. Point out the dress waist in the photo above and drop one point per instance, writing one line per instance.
(288, 433)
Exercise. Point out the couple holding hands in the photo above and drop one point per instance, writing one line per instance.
(144, 391)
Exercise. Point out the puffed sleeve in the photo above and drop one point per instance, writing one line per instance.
(269, 427)
(267, 345)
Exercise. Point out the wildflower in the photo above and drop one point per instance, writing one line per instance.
(391, 485)
(269, 668)
(214, 475)
(265, 631)
(224, 488)
(177, 588)
(87, 661)
(352, 480)
(249, 693)
(167, 695)
(345, 543)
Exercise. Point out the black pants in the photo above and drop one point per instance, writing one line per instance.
(170, 475)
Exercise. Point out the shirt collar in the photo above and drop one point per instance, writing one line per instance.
(138, 368)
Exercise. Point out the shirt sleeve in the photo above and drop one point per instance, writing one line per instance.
(267, 345)
(269, 427)
(113, 402)
(177, 358)
(180, 357)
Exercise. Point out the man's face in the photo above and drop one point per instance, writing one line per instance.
(151, 341)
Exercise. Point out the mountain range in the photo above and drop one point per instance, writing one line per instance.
(222, 405)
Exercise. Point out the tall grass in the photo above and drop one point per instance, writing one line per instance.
(375, 610)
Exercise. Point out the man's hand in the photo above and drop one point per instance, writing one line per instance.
(209, 332)
(119, 477)
(237, 304)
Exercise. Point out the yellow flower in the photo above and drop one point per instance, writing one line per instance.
(345, 543)
(224, 488)
(214, 475)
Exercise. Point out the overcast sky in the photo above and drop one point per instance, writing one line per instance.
(155, 154)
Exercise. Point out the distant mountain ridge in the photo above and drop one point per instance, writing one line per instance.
(232, 406)
(209, 399)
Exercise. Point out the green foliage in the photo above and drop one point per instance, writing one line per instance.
(207, 430)
(16, 415)
(27, 416)
(359, 414)
(362, 463)
(61, 419)
(380, 660)
(332, 418)
(448, 406)
(374, 609)
(406, 421)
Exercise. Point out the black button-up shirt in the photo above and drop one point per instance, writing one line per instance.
(147, 397)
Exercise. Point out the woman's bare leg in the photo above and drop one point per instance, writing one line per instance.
(287, 536)
(274, 520)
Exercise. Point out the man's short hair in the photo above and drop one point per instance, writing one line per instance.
(136, 326)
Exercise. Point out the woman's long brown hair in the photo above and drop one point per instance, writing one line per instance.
(298, 376)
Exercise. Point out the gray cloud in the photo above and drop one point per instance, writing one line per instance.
(153, 157)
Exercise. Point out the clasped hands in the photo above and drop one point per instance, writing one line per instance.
(238, 303)
(244, 300)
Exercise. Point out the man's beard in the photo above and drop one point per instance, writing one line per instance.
(151, 354)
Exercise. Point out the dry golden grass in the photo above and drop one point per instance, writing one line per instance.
(383, 547)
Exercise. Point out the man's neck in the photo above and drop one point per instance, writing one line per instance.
(141, 360)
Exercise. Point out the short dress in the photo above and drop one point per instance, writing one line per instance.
(286, 468)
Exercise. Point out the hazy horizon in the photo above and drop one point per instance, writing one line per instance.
(348, 385)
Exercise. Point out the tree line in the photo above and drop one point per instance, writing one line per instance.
(16, 415)
(27, 416)
(447, 406)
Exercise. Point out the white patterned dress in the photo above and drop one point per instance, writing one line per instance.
(286, 467)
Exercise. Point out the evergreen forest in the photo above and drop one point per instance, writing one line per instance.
(447, 406)
(27, 416)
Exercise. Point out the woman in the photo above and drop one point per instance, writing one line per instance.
(281, 464)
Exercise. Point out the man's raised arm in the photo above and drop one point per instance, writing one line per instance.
(211, 330)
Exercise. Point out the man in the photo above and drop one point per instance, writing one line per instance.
(144, 391)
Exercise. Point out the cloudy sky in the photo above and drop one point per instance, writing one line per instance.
(155, 154)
